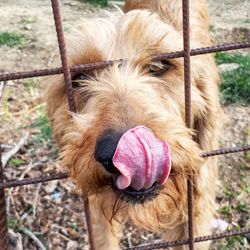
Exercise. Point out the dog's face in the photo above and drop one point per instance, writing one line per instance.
(124, 113)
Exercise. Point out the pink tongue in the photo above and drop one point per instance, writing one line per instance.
(142, 159)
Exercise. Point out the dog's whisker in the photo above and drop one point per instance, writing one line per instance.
(172, 198)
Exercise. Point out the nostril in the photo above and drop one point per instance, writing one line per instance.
(109, 166)
(105, 149)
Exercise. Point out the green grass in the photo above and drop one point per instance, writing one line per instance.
(44, 132)
(226, 210)
(27, 20)
(30, 85)
(102, 3)
(242, 207)
(12, 223)
(17, 162)
(12, 39)
(45, 128)
(233, 242)
(235, 84)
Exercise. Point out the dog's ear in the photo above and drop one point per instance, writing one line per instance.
(136, 4)
(206, 123)
(55, 97)
(171, 12)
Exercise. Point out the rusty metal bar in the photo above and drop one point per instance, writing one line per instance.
(223, 151)
(70, 95)
(28, 181)
(63, 53)
(3, 214)
(89, 224)
(187, 86)
(185, 242)
(205, 50)
(104, 64)
(59, 176)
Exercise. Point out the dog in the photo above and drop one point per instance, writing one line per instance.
(127, 146)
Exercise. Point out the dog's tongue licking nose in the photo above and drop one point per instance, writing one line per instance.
(142, 159)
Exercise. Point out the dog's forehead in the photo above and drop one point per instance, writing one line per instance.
(122, 36)
(141, 30)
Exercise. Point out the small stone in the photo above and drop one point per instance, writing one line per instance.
(72, 245)
(219, 194)
(70, 3)
(225, 67)
(27, 27)
(10, 83)
(51, 187)
(73, 233)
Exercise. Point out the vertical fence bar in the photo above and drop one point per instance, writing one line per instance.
(63, 53)
(88, 221)
(70, 95)
(187, 78)
(3, 214)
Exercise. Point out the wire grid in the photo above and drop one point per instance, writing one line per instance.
(186, 53)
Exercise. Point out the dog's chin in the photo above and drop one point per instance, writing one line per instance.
(133, 196)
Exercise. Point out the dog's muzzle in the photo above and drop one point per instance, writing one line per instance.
(105, 150)
(138, 160)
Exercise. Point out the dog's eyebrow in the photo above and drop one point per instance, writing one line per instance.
(122, 63)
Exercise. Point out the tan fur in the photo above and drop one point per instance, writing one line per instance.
(124, 96)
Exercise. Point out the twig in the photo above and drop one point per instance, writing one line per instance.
(6, 146)
(12, 204)
(30, 234)
(36, 200)
(6, 156)
(1, 89)
(8, 205)
(26, 112)
(27, 170)
(129, 240)
(19, 244)
(18, 238)
(116, 3)
(52, 57)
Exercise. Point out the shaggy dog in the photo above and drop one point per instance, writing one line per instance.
(127, 146)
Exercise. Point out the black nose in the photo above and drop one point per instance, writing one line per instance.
(105, 149)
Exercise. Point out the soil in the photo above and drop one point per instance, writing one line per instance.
(54, 211)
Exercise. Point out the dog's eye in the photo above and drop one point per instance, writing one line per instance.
(158, 68)
(76, 80)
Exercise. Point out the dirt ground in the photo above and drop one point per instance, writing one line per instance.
(53, 212)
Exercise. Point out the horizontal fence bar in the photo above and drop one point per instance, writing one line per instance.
(223, 151)
(204, 50)
(54, 71)
(197, 239)
(27, 181)
(101, 65)
(63, 175)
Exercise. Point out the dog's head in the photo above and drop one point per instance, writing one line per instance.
(128, 140)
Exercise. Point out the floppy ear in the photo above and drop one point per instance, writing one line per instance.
(55, 97)
(136, 4)
(208, 123)
(171, 11)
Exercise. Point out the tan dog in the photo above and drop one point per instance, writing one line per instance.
(128, 147)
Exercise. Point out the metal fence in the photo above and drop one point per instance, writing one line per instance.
(66, 70)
